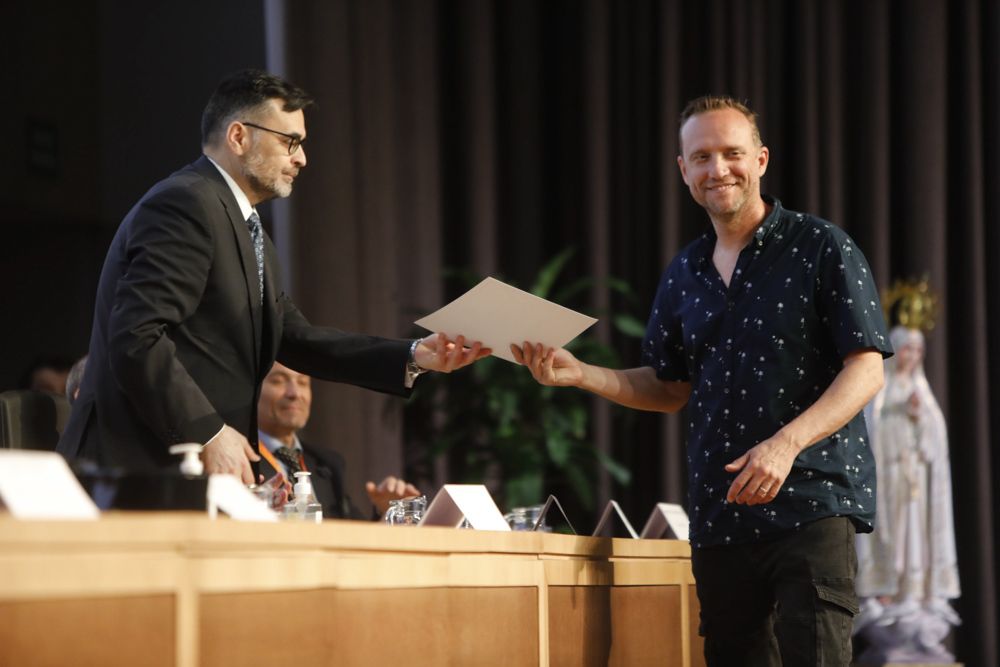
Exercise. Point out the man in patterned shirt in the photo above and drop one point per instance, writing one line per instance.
(769, 329)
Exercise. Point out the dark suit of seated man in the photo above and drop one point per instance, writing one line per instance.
(282, 410)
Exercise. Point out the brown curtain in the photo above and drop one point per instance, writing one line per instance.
(491, 135)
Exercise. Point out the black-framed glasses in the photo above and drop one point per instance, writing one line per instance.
(294, 140)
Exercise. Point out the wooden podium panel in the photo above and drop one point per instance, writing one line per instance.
(178, 589)
(416, 627)
(646, 626)
(579, 626)
(127, 630)
(615, 625)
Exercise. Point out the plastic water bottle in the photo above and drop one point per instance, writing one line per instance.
(303, 506)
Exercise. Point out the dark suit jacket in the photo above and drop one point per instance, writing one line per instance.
(180, 341)
(327, 468)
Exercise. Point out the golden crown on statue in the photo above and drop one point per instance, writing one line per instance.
(910, 303)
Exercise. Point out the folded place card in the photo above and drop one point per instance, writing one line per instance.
(497, 315)
(553, 520)
(666, 518)
(39, 485)
(471, 502)
(227, 493)
(614, 523)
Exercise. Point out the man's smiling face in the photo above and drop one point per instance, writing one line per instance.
(722, 162)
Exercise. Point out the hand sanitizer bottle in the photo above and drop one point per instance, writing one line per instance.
(303, 505)
(191, 465)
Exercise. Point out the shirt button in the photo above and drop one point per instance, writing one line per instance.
(730, 305)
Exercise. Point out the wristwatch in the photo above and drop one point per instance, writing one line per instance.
(413, 370)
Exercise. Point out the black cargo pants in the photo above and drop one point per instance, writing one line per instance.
(785, 602)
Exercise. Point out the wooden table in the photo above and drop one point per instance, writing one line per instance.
(179, 589)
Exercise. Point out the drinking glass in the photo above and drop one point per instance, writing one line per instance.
(406, 511)
(524, 518)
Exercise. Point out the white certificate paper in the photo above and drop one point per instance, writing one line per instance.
(497, 314)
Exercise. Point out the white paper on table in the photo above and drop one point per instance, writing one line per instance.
(40, 485)
(470, 501)
(663, 516)
(497, 314)
(227, 493)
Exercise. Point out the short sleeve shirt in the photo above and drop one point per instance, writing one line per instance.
(759, 353)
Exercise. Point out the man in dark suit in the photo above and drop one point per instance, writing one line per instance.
(190, 313)
(282, 411)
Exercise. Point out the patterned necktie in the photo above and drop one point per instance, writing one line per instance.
(290, 457)
(257, 236)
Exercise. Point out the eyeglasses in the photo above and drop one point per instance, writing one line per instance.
(294, 140)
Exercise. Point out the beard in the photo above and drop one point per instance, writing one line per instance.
(263, 178)
(729, 205)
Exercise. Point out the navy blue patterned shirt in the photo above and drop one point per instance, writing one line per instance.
(757, 355)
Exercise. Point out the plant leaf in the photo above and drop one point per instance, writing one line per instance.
(619, 472)
(559, 447)
(524, 489)
(630, 326)
(582, 485)
(567, 294)
(548, 274)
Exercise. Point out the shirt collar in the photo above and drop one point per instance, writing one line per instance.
(764, 229)
(241, 198)
(273, 443)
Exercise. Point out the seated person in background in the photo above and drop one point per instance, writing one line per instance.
(47, 373)
(75, 379)
(283, 409)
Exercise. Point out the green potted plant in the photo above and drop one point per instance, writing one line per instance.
(498, 426)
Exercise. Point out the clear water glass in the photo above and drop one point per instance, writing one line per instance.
(524, 518)
(406, 511)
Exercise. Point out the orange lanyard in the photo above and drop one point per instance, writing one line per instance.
(278, 467)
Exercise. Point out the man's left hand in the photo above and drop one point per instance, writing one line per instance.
(762, 471)
(390, 488)
(437, 353)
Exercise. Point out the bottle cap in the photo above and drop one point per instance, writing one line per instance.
(191, 463)
(303, 484)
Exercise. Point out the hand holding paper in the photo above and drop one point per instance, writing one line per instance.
(552, 367)
(437, 353)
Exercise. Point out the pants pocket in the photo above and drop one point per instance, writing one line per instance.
(836, 607)
(839, 593)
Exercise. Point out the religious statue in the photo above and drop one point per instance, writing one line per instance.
(907, 570)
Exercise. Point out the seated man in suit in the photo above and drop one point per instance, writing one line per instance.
(282, 410)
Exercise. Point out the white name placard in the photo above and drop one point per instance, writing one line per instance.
(612, 521)
(40, 485)
(663, 517)
(227, 493)
(471, 502)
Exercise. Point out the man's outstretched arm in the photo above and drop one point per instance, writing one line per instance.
(637, 388)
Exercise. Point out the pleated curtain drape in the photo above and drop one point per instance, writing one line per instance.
(492, 135)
